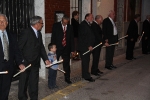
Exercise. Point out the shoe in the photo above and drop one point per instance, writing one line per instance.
(68, 81)
(96, 74)
(98, 71)
(113, 66)
(129, 58)
(108, 67)
(133, 58)
(90, 79)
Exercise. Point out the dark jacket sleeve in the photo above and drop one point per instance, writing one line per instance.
(72, 39)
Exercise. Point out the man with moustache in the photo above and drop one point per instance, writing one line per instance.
(85, 43)
(9, 52)
(98, 39)
(32, 48)
(62, 37)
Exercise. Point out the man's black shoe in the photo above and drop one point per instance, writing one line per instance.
(96, 74)
(108, 67)
(129, 58)
(112, 66)
(68, 81)
(90, 79)
(133, 58)
(98, 71)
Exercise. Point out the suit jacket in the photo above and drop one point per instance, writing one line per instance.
(108, 31)
(58, 34)
(132, 31)
(97, 33)
(75, 25)
(146, 28)
(86, 36)
(14, 54)
(32, 48)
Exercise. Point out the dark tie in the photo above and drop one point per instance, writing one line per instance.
(6, 47)
(64, 37)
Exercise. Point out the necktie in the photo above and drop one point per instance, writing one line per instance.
(64, 37)
(6, 47)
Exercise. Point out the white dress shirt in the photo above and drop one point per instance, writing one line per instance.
(115, 28)
(35, 31)
(1, 36)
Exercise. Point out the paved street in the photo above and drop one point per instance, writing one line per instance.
(130, 81)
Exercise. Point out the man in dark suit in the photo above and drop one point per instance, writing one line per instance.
(98, 39)
(110, 37)
(9, 52)
(132, 33)
(32, 48)
(85, 43)
(62, 36)
(146, 35)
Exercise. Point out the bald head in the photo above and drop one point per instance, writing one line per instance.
(111, 14)
(3, 22)
(99, 19)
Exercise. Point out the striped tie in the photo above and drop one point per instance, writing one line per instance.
(64, 38)
(6, 47)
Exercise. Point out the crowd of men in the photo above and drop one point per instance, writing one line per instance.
(29, 49)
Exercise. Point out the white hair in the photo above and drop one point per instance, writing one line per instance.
(4, 16)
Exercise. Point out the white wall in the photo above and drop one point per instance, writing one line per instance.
(40, 11)
(86, 7)
(145, 9)
(105, 7)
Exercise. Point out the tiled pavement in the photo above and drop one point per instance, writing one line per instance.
(75, 77)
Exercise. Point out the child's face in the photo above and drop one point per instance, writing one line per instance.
(53, 49)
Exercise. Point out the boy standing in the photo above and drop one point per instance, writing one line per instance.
(52, 73)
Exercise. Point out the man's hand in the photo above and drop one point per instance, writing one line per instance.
(106, 44)
(90, 48)
(22, 67)
(132, 39)
(73, 54)
(47, 62)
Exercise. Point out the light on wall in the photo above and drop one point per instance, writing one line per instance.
(98, 3)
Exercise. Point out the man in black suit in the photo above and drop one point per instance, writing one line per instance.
(9, 52)
(132, 33)
(98, 39)
(85, 43)
(32, 48)
(110, 37)
(62, 37)
(146, 35)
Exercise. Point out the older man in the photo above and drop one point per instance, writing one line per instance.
(111, 37)
(98, 39)
(32, 48)
(8, 53)
(86, 42)
(62, 36)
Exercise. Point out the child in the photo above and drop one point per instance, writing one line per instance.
(52, 73)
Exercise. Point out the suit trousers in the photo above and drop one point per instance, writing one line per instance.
(96, 55)
(109, 55)
(85, 60)
(144, 46)
(65, 54)
(29, 79)
(5, 82)
(130, 48)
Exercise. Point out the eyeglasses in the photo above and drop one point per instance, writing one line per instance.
(41, 23)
